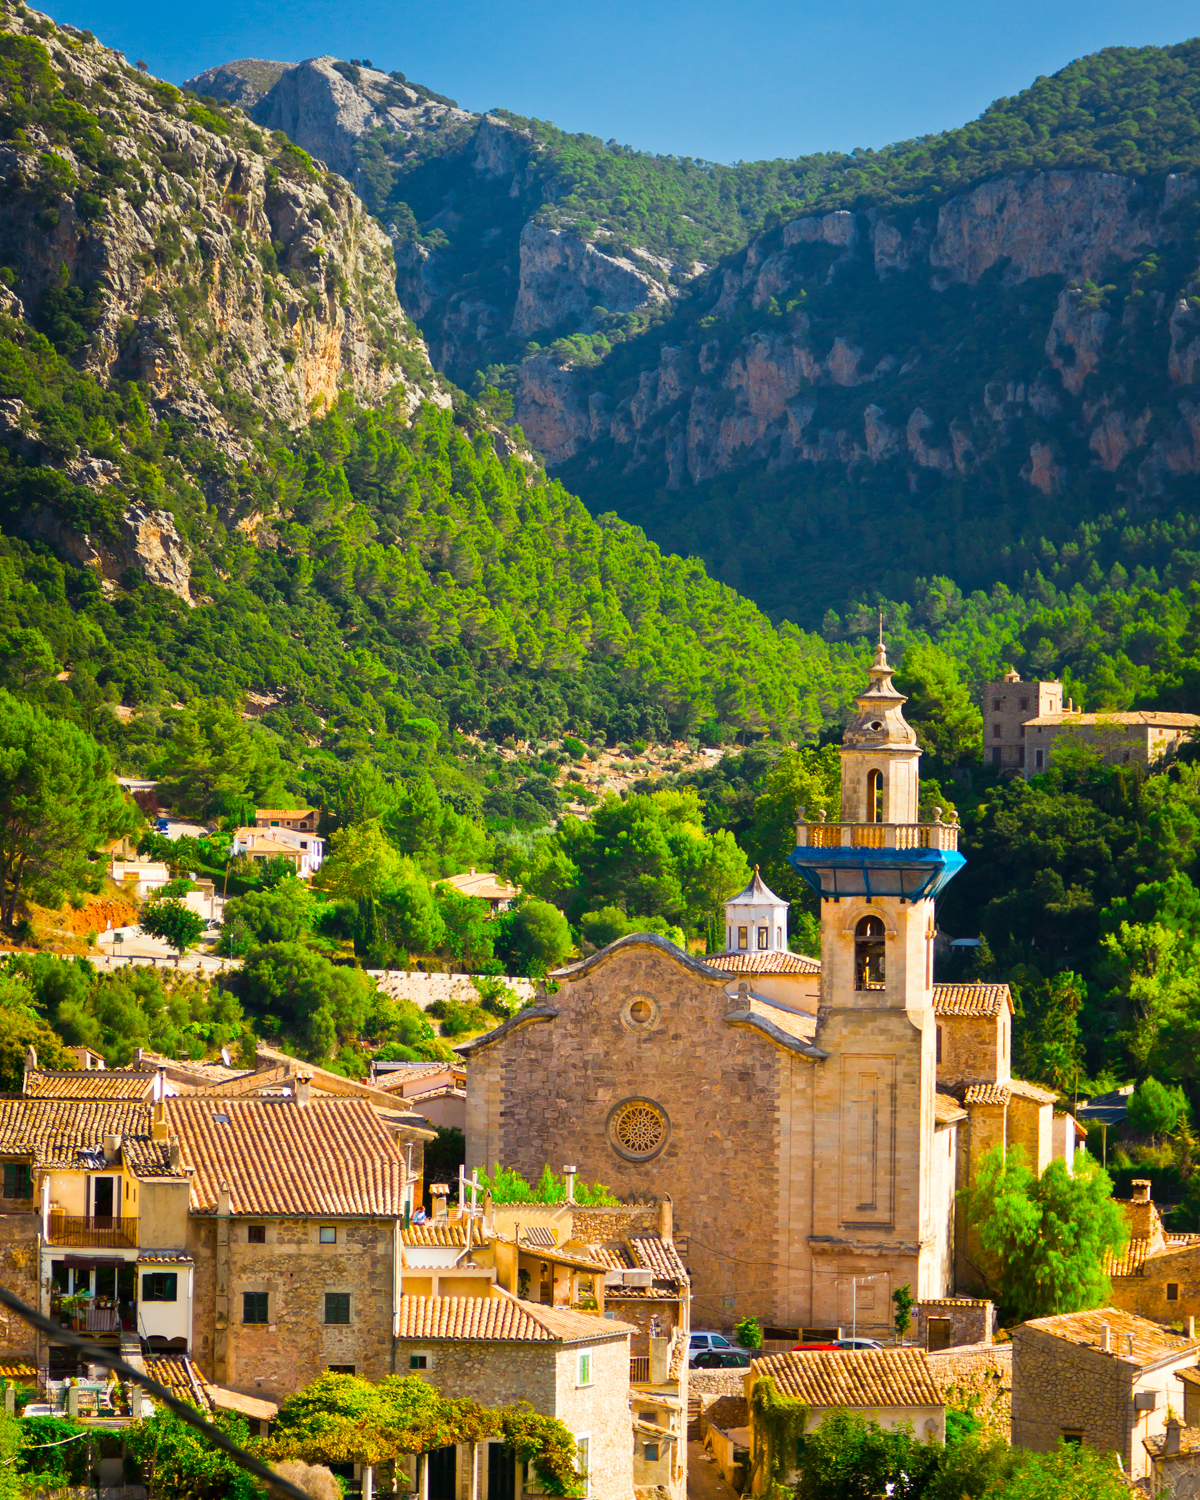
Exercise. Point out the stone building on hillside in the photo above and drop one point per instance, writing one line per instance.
(1023, 721)
(794, 1112)
(1158, 1276)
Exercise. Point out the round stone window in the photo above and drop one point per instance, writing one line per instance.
(876, 725)
(638, 1129)
(640, 1013)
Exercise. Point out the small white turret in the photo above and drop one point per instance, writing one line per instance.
(756, 920)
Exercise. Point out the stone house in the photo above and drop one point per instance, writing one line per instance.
(499, 1350)
(261, 845)
(1105, 1378)
(947, 1322)
(832, 1139)
(1158, 1276)
(893, 1387)
(1175, 1461)
(289, 819)
(484, 885)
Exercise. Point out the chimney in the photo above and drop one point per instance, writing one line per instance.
(1105, 1339)
(175, 1154)
(440, 1193)
(224, 1204)
(112, 1148)
(666, 1220)
(1129, 1343)
(1141, 1214)
(303, 1088)
(1141, 1189)
(569, 1174)
(1172, 1435)
(158, 1130)
(30, 1067)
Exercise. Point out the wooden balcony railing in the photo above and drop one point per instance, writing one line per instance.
(639, 1369)
(98, 1231)
(822, 835)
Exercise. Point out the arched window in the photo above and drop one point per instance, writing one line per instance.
(874, 796)
(868, 954)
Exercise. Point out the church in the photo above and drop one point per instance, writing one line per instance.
(812, 1123)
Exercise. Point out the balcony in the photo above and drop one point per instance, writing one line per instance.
(639, 1369)
(822, 835)
(96, 1231)
(913, 861)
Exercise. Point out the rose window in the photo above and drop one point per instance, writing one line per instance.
(638, 1129)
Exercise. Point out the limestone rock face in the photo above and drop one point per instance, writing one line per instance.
(563, 278)
(243, 83)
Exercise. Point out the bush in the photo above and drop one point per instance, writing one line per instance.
(748, 1332)
(1155, 1109)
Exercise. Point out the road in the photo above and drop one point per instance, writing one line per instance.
(704, 1478)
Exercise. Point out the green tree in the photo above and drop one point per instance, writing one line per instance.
(748, 1332)
(850, 1458)
(1154, 1109)
(468, 928)
(174, 922)
(217, 764)
(58, 802)
(21, 1028)
(1043, 1242)
(1048, 1047)
(610, 923)
(533, 939)
(284, 914)
(294, 991)
(361, 862)
(1071, 1472)
(903, 1301)
(941, 707)
(808, 778)
(178, 1460)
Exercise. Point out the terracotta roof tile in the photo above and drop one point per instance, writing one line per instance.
(1189, 1446)
(763, 963)
(1154, 718)
(19, 1371)
(870, 1378)
(284, 812)
(1032, 1091)
(1139, 1251)
(971, 999)
(1151, 1341)
(500, 1319)
(448, 1232)
(947, 1109)
(60, 1132)
(330, 1157)
(987, 1093)
(1190, 1376)
(180, 1377)
(89, 1083)
(657, 1255)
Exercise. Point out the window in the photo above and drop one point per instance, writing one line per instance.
(1022, 731)
(160, 1286)
(1039, 759)
(997, 754)
(764, 939)
(418, 1361)
(255, 1307)
(256, 1234)
(583, 1371)
(337, 1307)
(1021, 757)
(995, 731)
(743, 937)
(1024, 702)
(341, 1369)
(582, 1445)
(1073, 1439)
(327, 1234)
(650, 1453)
(1172, 1291)
(869, 954)
(995, 705)
(16, 1179)
(939, 1045)
(874, 796)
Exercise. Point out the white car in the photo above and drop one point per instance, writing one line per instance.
(703, 1339)
(859, 1344)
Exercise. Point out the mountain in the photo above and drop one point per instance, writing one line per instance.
(233, 488)
(943, 358)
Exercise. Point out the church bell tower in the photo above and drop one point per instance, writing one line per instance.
(877, 871)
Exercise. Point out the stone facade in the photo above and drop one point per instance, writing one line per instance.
(979, 1376)
(546, 1375)
(295, 1271)
(1007, 708)
(1158, 1277)
(19, 1236)
(1066, 1385)
(956, 1320)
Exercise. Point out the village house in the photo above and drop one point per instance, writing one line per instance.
(1106, 1378)
(261, 846)
(833, 1139)
(484, 885)
(287, 819)
(892, 1387)
(1023, 721)
(1158, 1276)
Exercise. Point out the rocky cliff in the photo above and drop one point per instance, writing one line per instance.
(170, 243)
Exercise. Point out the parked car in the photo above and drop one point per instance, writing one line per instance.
(704, 1339)
(814, 1348)
(859, 1344)
(721, 1359)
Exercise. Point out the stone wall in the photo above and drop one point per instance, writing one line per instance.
(978, 1377)
(273, 1359)
(1060, 1387)
(600, 1412)
(975, 1049)
(1010, 717)
(1146, 1293)
(19, 1273)
(972, 1320)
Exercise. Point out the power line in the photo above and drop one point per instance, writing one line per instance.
(182, 1409)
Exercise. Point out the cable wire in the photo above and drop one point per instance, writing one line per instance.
(182, 1409)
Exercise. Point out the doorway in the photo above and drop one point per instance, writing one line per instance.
(501, 1472)
(443, 1473)
(938, 1333)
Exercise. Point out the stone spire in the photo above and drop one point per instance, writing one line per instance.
(880, 718)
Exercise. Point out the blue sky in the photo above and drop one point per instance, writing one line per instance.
(694, 77)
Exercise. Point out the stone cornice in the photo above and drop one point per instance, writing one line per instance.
(522, 1018)
(754, 1022)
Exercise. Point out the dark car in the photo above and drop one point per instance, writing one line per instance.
(721, 1359)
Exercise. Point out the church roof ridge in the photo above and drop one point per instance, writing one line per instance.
(634, 940)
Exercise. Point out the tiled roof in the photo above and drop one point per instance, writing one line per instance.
(330, 1157)
(541, 1234)
(870, 1378)
(1154, 718)
(987, 1093)
(763, 963)
(179, 1375)
(88, 1083)
(485, 884)
(1151, 1341)
(1139, 1251)
(284, 812)
(1189, 1444)
(971, 999)
(953, 1301)
(757, 893)
(449, 1232)
(164, 1258)
(655, 1254)
(728, 1413)
(245, 1084)
(60, 1133)
(500, 1319)
(1190, 1376)
(947, 1109)
(18, 1371)
(402, 1076)
(325, 1082)
(1032, 1091)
